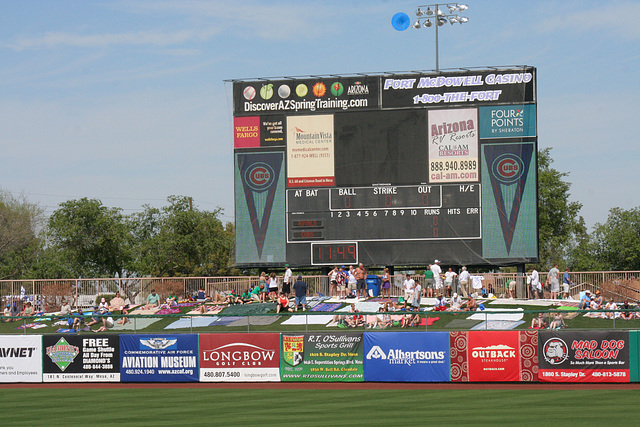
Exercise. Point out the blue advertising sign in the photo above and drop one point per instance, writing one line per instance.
(406, 356)
(159, 358)
(508, 121)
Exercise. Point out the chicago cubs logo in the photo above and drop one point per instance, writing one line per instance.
(555, 351)
(507, 168)
(259, 177)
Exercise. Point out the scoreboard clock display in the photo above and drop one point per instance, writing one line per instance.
(387, 169)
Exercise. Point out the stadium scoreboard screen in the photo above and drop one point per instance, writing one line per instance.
(388, 169)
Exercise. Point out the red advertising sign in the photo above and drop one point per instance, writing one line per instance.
(239, 357)
(493, 356)
(246, 132)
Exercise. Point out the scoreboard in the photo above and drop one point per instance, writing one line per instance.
(389, 169)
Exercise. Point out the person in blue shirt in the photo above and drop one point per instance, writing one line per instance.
(566, 283)
(585, 300)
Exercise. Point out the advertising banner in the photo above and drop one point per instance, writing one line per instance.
(240, 357)
(20, 358)
(406, 356)
(493, 356)
(584, 356)
(81, 358)
(470, 87)
(322, 357)
(508, 121)
(299, 96)
(453, 145)
(159, 358)
(310, 151)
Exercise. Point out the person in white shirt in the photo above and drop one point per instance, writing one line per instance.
(408, 286)
(535, 283)
(286, 280)
(610, 306)
(463, 280)
(437, 276)
(333, 282)
(456, 302)
(449, 277)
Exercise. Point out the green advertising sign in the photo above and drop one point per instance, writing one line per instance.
(322, 357)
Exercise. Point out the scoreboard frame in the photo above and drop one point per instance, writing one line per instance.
(464, 138)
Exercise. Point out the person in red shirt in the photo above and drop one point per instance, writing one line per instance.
(283, 303)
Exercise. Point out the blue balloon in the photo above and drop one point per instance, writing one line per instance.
(400, 21)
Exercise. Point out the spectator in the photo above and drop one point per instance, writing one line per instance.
(410, 320)
(153, 300)
(65, 309)
(585, 300)
(116, 305)
(264, 288)
(27, 310)
(536, 288)
(7, 313)
(566, 283)
(428, 281)
(300, 290)
(417, 296)
(15, 312)
(77, 320)
(246, 297)
(463, 281)
(333, 282)
(361, 282)
(553, 281)
(627, 314)
(386, 283)
(599, 299)
(449, 277)
(255, 294)
(456, 302)
(610, 306)
(437, 276)
(355, 319)
(341, 279)
(379, 321)
(352, 282)
(273, 286)
(286, 280)
(103, 305)
(441, 303)
(283, 303)
(95, 319)
(201, 296)
(233, 298)
(557, 322)
(511, 288)
(408, 286)
(107, 322)
(538, 322)
(471, 303)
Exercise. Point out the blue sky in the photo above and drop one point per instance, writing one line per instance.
(125, 101)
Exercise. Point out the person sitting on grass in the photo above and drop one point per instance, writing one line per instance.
(456, 303)
(117, 304)
(585, 300)
(599, 300)
(7, 313)
(233, 298)
(95, 319)
(107, 323)
(627, 314)
(78, 320)
(153, 300)
(356, 319)
(557, 322)
(380, 321)
(441, 303)
(255, 294)
(471, 304)
(283, 303)
(246, 297)
(610, 306)
(538, 322)
(27, 310)
(410, 320)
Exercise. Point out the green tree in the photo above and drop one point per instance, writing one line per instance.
(20, 235)
(616, 243)
(180, 240)
(95, 240)
(559, 220)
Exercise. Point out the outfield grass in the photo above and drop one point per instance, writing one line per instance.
(251, 407)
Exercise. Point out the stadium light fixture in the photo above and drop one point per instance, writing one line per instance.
(428, 15)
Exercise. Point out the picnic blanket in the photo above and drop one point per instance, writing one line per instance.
(255, 320)
(211, 309)
(429, 321)
(66, 331)
(32, 326)
(324, 306)
(193, 322)
(169, 311)
(319, 319)
(186, 304)
(140, 310)
(497, 325)
(495, 315)
(225, 321)
(244, 309)
(364, 306)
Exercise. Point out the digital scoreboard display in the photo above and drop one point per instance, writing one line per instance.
(387, 169)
